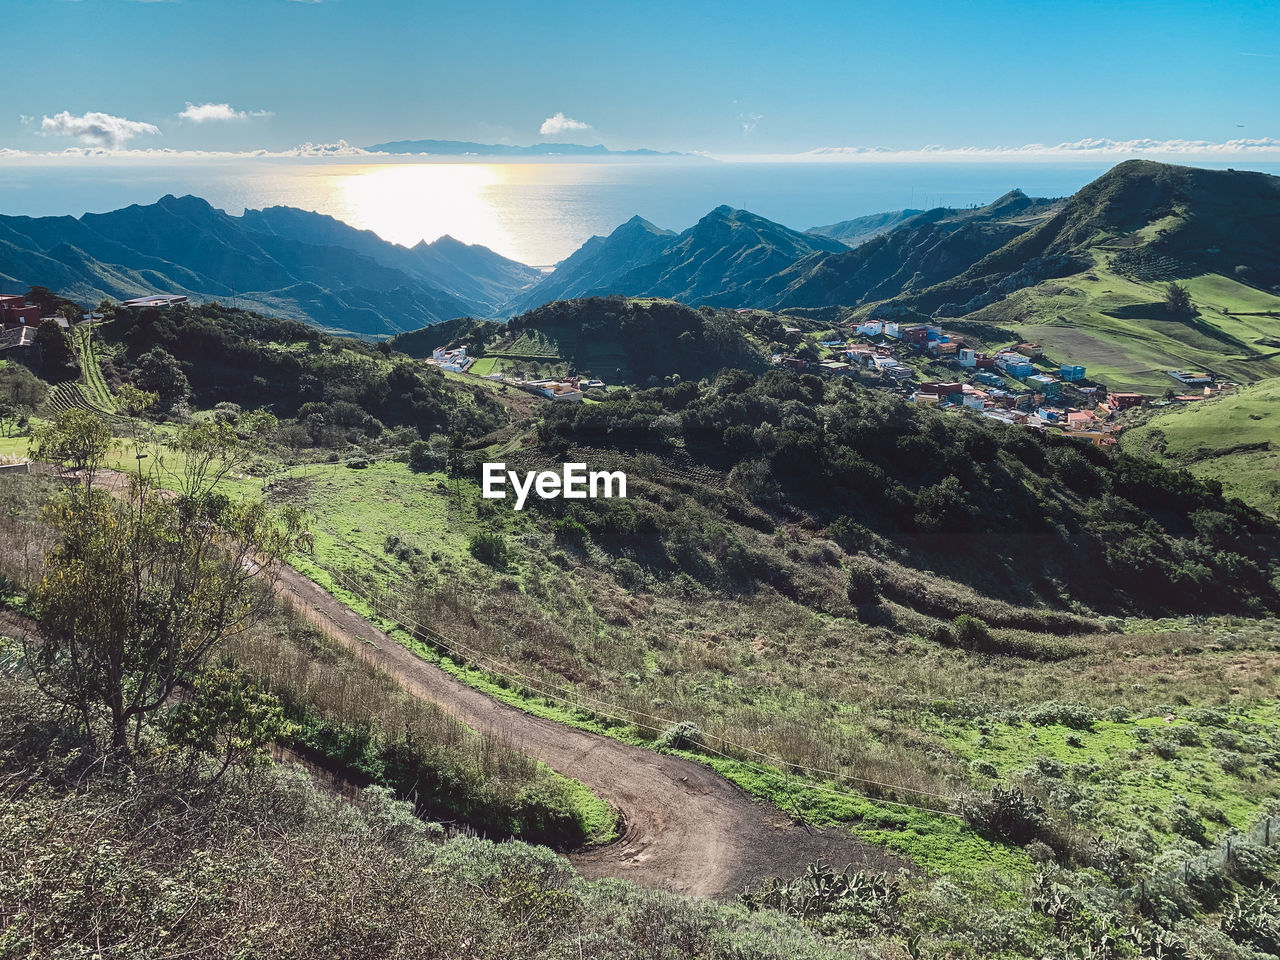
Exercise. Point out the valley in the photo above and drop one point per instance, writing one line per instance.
(1020, 680)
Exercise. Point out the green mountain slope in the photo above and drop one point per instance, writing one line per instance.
(599, 263)
(475, 274)
(1233, 439)
(861, 229)
(1089, 282)
(926, 249)
(715, 262)
(718, 257)
(630, 340)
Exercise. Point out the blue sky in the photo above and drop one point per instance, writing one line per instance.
(730, 78)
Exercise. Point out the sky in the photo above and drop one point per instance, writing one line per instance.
(733, 79)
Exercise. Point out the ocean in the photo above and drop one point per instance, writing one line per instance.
(537, 212)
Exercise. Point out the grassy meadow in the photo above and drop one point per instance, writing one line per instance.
(1231, 438)
(1116, 327)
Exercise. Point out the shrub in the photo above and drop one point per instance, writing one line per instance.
(971, 633)
(862, 585)
(1232, 763)
(422, 459)
(983, 768)
(489, 548)
(1051, 713)
(570, 531)
(1185, 822)
(684, 735)
(1007, 815)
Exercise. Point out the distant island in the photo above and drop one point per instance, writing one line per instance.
(458, 148)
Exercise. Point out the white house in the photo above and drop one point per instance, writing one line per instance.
(455, 360)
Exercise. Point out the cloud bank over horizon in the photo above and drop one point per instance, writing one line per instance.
(106, 137)
(1094, 148)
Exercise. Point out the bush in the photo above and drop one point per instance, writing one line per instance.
(971, 633)
(421, 459)
(1007, 815)
(570, 531)
(490, 548)
(1185, 822)
(1051, 713)
(862, 585)
(684, 735)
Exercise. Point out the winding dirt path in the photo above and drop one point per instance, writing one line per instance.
(688, 830)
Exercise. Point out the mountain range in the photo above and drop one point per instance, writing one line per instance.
(716, 261)
(1084, 274)
(285, 261)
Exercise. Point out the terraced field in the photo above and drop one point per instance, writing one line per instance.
(68, 395)
(93, 384)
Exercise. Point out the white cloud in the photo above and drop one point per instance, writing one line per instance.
(202, 112)
(96, 129)
(749, 121)
(1096, 148)
(558, 125)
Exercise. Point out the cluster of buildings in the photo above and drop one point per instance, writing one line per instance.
(566, 388)
(455, 360)
(1042, 398)
(570, 388)
(1025, 408)
(19, 322)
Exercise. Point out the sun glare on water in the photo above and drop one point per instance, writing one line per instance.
(408, 203)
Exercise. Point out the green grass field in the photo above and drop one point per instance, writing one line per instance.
(1133, 770)
(1234, 438)
(1117, 329)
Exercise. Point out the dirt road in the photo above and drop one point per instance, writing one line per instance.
(687, 829)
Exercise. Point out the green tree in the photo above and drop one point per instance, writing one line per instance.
(57, 358)
(13, 418)
(225, 716)
(21, 387)
(139, 590)
(74, 439)
(159, 373)
(1177, 302)
(134, 401)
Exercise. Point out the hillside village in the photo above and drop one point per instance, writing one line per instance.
(1015, 385)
